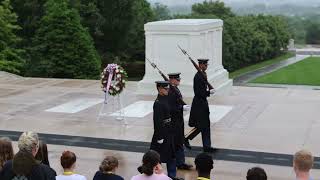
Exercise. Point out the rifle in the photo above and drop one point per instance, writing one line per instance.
(156, 67)
(163, 76)
(197, 67)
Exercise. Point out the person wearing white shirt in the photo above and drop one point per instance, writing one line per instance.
(68, 162)
(302, 164)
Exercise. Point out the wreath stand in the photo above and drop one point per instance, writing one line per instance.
(112, 104)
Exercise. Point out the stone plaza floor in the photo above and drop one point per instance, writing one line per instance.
(250, 121)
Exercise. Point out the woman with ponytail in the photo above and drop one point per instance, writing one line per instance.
(151, 168)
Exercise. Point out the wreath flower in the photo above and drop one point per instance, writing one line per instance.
(113, 79)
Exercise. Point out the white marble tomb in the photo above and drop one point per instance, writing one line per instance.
(202, 38)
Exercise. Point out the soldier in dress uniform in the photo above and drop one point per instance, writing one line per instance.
(163, 136)
(199, 114)
(177, 105)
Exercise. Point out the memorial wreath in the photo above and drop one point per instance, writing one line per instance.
(113, 79)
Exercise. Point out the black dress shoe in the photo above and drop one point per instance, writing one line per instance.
(185, 167)
(186, 143)
(209, 149)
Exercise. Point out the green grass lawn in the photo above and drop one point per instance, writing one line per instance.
(260, 65)
(305, 72)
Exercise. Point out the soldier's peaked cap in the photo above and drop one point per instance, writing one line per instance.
(164, 84)
(174, 75)
(203, 61)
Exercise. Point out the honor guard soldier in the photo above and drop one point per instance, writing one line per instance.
(163, 136)
(199, 114)
(177, 105)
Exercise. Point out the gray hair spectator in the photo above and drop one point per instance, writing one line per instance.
(29, 142)
(24, 165)
(302, 164)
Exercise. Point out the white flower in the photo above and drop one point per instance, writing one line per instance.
(110, 91)
(118, 75)
(121, 71)
(117, 88)
(117, 70)
(104, 81)
(123, 81)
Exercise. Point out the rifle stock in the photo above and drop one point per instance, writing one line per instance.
(197, 67)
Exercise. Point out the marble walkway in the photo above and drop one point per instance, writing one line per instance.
(253, 126)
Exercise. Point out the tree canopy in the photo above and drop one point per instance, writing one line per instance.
(10, 54)
(62, 47)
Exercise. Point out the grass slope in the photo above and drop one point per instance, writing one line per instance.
(260, 65)
(305, 72)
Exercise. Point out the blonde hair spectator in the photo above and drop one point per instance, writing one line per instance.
(302, 163)
(6, 151)
(29, 142)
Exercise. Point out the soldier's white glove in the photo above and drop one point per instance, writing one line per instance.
(160, 141)
(186, 107)
(212, 91)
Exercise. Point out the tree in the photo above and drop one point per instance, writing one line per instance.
(91, 17)
(161, 11)
(313, 33)
(117, 20)
(216, 8)
(29, 14)
(62, 47)
(136, 41)
(10, 55)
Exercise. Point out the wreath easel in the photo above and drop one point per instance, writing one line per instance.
(113, 82)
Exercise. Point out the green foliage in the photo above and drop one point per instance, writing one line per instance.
(313, 33)
(246, 39)
(305, 72)
(122, 32)
(118, 17)
(216, 8)
(252, 39)
(62, 47)
(90, 15)
(29, 14)
(10, 55)
(136, 41)
(161, 11)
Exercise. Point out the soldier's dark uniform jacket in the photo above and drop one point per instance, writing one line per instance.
(163, 129)
(176, 110)
(199, 113)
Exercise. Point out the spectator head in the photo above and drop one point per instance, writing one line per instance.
(109, 164)
(6, 151)
(204, 164)
(256, 173)
(68, 160)
(302, 161)
(150, 161)
(29, 142)
(42, 154)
